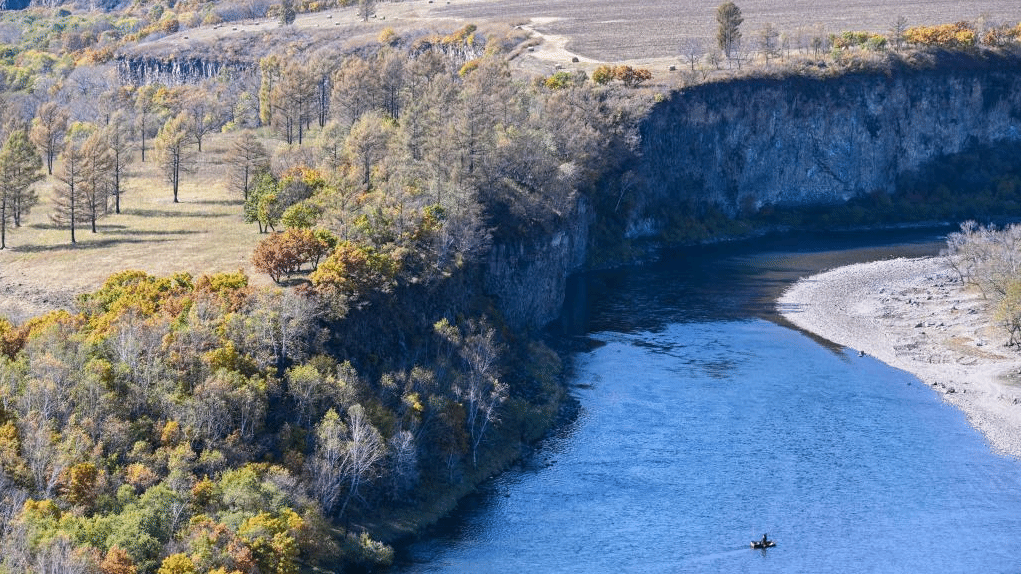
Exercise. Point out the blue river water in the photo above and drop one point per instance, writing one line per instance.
(704, 422)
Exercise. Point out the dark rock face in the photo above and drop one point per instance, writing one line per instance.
(528, 278)
(744, 144)
(142, 70)
(798, 141)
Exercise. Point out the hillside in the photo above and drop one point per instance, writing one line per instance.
(309, 321)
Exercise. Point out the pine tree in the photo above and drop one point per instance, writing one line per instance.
(729, 36)
(20, 167)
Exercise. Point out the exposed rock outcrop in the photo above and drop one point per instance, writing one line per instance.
(142, 70)
(798, 140)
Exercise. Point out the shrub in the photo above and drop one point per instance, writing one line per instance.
(632, 77)
(957, 35)
(603, 75)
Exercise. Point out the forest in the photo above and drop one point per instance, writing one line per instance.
(365, 380)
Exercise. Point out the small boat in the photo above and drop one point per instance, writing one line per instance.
(759, 544)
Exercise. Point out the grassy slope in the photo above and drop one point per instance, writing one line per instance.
(204, 233)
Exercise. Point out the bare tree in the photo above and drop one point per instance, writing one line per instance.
(897, 32)
(403, 463)
(365, 9)
(479, 389)
(60, 556)
(97, 171)
(292, 99)
(68, 197)
(118, 139)
(325, 465)
(692, 49)
(147, 114)
(205, 114)
(365, 450)
(768, 42)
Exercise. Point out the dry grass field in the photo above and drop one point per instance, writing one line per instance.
(614, 30)
(203, 233)
(648, 33)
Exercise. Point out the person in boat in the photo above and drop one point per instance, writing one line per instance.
(764, 542)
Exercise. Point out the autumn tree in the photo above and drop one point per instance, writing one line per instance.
(632, 77)
(68, 195)
(19, 169)
(284, 253)
(366, 145)
(173, 151)
(277, 256)
(246, 158)
(97, 171)
(729, 35)
(118, 139)
(117, 561)
(48, 129)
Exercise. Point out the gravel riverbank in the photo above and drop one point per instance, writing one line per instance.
(914, 315)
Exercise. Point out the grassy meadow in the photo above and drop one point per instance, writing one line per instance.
(204, 233)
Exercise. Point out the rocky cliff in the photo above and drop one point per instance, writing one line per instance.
(799, 140)
(142, 70)
(529, 278)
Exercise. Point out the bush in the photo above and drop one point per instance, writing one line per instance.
(603, 75)
(957, 35)
(283, 254)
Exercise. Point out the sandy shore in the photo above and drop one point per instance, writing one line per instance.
(914, 315)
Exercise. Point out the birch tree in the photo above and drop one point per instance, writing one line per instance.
(173, 151)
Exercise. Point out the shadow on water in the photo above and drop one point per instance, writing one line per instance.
(753, 275)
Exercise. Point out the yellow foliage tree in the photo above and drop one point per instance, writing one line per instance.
(957, 35)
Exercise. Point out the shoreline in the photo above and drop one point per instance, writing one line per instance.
(914, 315)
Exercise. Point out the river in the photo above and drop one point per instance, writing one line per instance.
(704, 421)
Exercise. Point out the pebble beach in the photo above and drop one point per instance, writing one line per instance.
(915, 315)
